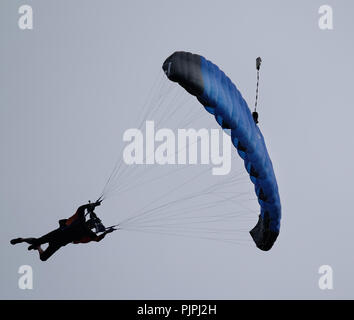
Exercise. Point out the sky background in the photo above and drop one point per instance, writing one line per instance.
(70, 88)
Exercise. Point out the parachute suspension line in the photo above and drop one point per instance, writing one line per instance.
(168, 213)
(227, 240)
(172, 104)
(167, 220)
(151, 98)
(180, 222)
(116, 172)
(125, 175)
(138, 181)
(162, 212)
(164, 216)
(176, 100)
(138, 215)
(155, 103)
(161, 94)
(255, 114)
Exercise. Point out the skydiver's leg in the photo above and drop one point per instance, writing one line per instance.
(21, 240)
(49, 237)
(44, 255)
(52, 236)
(34, 242)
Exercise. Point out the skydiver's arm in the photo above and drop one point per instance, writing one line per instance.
(101, 236)
(80, 212)
(91, 236)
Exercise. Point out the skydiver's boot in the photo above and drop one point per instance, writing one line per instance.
(16, 241)
(20, 240)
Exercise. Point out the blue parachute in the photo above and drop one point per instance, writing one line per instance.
(220, 97)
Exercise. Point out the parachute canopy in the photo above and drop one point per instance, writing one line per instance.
(220, 97)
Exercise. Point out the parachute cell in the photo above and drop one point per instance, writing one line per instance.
(220, 97)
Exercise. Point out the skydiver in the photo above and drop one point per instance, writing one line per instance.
(75, 229)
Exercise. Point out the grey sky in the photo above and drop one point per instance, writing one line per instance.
(69, 89)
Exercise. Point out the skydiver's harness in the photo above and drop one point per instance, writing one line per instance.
(255, 113)
(98, 225)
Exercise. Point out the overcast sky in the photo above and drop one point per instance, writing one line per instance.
(69, 89)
